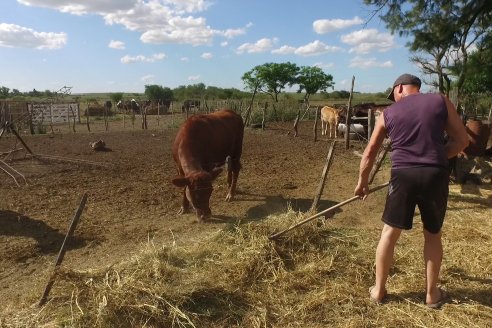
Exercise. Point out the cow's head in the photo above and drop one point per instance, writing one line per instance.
(198, 190)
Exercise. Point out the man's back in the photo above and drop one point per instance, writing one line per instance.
(416, 125)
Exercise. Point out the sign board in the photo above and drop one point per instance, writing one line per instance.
(43, 113)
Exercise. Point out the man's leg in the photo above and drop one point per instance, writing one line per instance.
(384, 258)
(433, 258)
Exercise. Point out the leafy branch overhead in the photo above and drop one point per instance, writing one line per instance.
(443, 35)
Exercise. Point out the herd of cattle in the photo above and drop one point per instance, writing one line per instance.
(205, 143)
(147, 105)
(333, 119)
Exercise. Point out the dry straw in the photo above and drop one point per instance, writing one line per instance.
(316, 276)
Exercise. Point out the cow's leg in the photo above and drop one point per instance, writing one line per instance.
(185, 207)
(323, 128)
(229, 171)
(236, 166)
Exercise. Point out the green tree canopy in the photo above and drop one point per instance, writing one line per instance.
(312, 79)
(116, 97)
(4, 92)
(271, 78)
(441, 32)
(156, 93)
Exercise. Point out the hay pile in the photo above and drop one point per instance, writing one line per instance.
(315, 276)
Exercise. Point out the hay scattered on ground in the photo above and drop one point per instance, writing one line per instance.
(314, 276)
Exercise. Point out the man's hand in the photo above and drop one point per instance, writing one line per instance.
(362, 190)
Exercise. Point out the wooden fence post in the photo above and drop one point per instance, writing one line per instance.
(348, 120)
(323, 177)
(296, 122)
(62, 252)
(381, 157)
(370, 123)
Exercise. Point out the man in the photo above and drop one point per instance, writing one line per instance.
(416, 124)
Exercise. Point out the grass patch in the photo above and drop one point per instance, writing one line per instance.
(315, 276)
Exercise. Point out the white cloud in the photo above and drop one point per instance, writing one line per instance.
(231, 33)
(207, 55)
(194, 78)
(284, 50)
(81, 7)
(147, 78)
(224, 44)
(15, 36)
(316, 48)
(323, 26)
(141, 58)
(187, 30)
(324, 65)
(185, 59)
(158, 21)
(366, 41)
(261, 45)
(189, 6)
(116, 44)
(365, 63)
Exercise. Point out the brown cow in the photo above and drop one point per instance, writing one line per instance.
(329, 116)
(202, 145)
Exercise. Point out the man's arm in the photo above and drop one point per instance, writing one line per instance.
(369, 156)
(456, 131)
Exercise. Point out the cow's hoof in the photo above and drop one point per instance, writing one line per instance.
(183, 210)
(203, 218)
(229, 198)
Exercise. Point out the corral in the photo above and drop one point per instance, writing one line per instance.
(132, 202)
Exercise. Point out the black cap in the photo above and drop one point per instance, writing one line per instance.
(404, 79)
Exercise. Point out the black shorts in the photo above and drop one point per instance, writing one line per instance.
(426, 187)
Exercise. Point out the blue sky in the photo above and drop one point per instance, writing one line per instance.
(123, 45)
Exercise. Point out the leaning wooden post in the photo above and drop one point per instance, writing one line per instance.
(382, 156)
(370, 123)
(264, 115)
(323, 177)
(62, 252)
(348, 120)
(315, 127)
(19, 137)
(296, 122)
(3, 129)
(87, 118)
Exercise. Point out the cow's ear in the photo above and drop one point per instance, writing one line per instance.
(215, 172)
(180, 181)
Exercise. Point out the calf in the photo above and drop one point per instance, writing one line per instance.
(202, 145)
(329, 116)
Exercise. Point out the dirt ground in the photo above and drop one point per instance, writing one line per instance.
(131, 201)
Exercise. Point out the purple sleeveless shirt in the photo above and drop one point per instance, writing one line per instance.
(415, 125)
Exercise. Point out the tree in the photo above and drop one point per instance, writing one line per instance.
(479, 68)
(477, 88)
(116, 97)
(159, 93)
(443, 33)
(4, 92)
(271, 78)
(312, 79)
